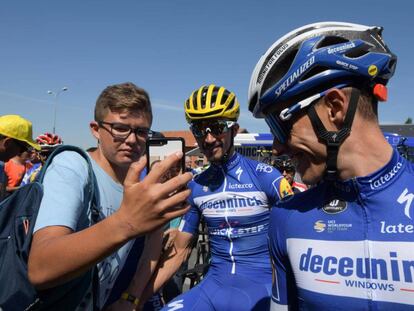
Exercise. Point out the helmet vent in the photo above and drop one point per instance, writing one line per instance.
(195, 100)
(231, 104)
(359, 51)
(214, 97)
(204, 115)
(313, 72)
(225, 97)
(277, 72)
(253, 102)
(330, 40)
(204, 97)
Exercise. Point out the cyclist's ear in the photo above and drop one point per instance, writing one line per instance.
(235, 129)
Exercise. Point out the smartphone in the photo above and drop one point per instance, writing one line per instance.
(160, 148)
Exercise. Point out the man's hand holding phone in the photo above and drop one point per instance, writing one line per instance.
(148, 204)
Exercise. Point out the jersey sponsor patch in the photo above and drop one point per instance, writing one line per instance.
(233, 204)
(284, 188)
(379, 270)
(335, 207)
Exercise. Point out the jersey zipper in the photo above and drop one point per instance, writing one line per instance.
(367, 246)
(233, 265)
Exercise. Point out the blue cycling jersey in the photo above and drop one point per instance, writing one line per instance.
(347, 245)
(235, 200)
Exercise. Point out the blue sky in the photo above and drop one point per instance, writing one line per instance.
(169, 48)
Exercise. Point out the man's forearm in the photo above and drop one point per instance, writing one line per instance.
(147, 263)
(67, 255)
(169, 264)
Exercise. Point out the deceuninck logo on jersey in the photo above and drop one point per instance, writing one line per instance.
(384, 270)
(232, 203)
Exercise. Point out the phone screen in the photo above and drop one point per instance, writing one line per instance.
(160, 148)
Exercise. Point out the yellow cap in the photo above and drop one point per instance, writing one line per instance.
(14, 126)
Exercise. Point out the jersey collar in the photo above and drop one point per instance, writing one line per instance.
(232, 162)
(377, 181)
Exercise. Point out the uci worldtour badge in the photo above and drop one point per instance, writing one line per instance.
(335, 207)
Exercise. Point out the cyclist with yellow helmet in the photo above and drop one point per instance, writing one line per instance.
(234, 195)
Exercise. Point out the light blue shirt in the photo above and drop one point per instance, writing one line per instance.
(63, 204)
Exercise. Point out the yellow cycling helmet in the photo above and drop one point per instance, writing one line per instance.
(211, 101)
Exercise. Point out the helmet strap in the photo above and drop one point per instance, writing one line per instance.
(228, 154)
(333, 139)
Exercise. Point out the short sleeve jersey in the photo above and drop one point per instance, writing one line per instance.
(235, 200)
(347, 245)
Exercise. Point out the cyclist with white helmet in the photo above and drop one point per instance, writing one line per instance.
(234, 195)
(347, 243)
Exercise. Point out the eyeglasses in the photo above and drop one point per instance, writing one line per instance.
(215, 128)
(280, 124)
(122, 131)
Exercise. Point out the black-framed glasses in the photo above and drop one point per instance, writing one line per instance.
(122, 131)
(215, 128)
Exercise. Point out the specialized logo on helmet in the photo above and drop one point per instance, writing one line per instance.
(294, 76)
(372, 70)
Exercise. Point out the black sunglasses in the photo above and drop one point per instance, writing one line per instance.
(122, 131)
(216, 128)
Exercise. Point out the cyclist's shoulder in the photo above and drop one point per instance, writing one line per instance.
(258, 168)
(303, 202)
(201, 178)
(409, 168)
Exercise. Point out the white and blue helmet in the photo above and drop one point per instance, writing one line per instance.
(315, 57)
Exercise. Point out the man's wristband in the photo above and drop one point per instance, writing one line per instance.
(130, 298)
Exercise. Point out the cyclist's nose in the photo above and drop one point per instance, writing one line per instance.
(209, 138)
